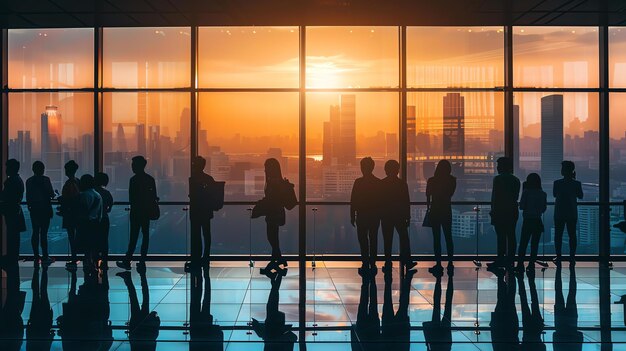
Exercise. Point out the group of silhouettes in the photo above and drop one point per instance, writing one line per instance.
(385, 203)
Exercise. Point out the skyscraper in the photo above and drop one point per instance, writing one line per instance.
(410, 131)
(24, 147)
(516, 155)
(348, 130)
(454, 125)
(51, 144)
(327, 145)
(551, 137)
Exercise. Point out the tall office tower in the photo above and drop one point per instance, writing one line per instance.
(183, 139)
(454, 125)
(391, 146)
(347, 154)
(87, 151)
(24, 148)
(141, 139)
(410, 132)
(120, 138)
(551, 138)
(154, 151)
(516, 155)
(51, 144)
(327, 145)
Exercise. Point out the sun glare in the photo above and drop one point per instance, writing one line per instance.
(323, 75)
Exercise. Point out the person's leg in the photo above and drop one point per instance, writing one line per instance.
(573, 240)
(534, 244)
(133, 237)
(272, 237)
(104, 250)
(436, 227)
(447, 232)
(44, 225)
(511, 243)
(13, 245)
(71, 236)
(405, 244)
(206, 233)
(523, 242)
(500, 241)
(387, 239)
(559, 226)
(34, 239)
(196, 240)
(362, 235)
(373, 242)
(145, 239)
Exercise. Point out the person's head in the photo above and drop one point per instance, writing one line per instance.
(444, 168)
(392, 168)
(101, 179)
(567, 169)
(272, 169)
(197, 164)
(504, 165)
(86, 182)
(38, 168)
(70, 168)
(138, 164)
(12, 166)
(533, 181)
(367, 165)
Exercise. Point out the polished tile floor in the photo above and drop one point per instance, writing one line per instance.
(233, 307)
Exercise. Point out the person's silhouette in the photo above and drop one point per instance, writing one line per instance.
(438, 331)
(11, 198)
(102, 180)
(143, 325)
(39, 194)
(204, 334)
(439, 191)
(396, 214)
(142, 196)
(11, 308)
(504, 324)
(566, 334)
(39, 333)
(201, 211)
(365, 213)
(276, 334)
(532, 321)
(365, 334)
(69, 210)
(566, 191)
(533, 204)
(396, 327)
(89, 218)
(504, 211)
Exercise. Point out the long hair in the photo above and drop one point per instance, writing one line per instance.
(533, 181)
(272, 170)
(444, 168)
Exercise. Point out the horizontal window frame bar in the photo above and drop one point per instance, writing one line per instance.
(347, 203)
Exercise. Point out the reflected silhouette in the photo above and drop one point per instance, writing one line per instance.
(39, 333)
(365, 335)
(504, 322)
(438, 332)
(396, 327)
(566, 335)
(10, 199)
(276, 334)
(532, 321)
(143, 325)
(12, 304)
(204, 334)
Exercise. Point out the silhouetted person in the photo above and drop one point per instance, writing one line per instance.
(504, 322)
(39, 194)
(102, 180)
(204, 334)
(201, 201)
(69, 210)
(11, 308)
(504, 211)
(439, 191)
(438, 331)
(365, 213)
(89, 218)
(143, 199)
(566, 191)
(533, 204)
(566, 335)
(396, 214)
(365, 334)
(39, 333)
(143, 325)
(396, 327)
(276, 334)
(532, 321)
(11, 197)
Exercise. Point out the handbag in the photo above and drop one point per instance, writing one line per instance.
(426, 221)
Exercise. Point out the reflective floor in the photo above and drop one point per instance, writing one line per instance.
(233, 307)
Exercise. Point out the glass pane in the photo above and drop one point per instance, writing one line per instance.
(554, 127)
(617, 57)
(465, 128)
(53, 128)
(342, 129)
(248, 57)
(156, 126)
(352, 57)
(555, 57)
(617, 153)
(237, 132)
(146, 57)
(443, 57)
(50, 58)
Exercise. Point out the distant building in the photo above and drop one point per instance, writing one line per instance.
(551, 138)
(454, 125)
(410, 132)
(51, 145)
(339, 133)
(337, 180)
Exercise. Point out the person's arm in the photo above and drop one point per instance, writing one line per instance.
(523, 200)
(544, 204)
(452, 187)
(428, 193)
(555, 188)
(29, 192)
(494, 190)
(49, 189)
(132, 191)
(154, 191)
(407, 202)
(352, 202)
(579, 190)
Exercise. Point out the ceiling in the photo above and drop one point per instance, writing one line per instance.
(118, 13)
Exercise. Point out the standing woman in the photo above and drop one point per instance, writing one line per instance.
(11, 196)
(533, 205)
(439, 191)
(273, 208)
(69, 209)
(566, 191)
(39, 192)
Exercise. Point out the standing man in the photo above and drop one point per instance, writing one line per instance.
(566, 191)
(143, 200)
(364, 212)
(39, 194)
(11, 197)
(69, 204)
(504, 212)
(102, 180)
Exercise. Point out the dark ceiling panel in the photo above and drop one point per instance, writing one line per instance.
(31, 6)
(131, 5)
(75, 5)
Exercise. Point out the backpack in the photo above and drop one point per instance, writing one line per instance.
(288, 194)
